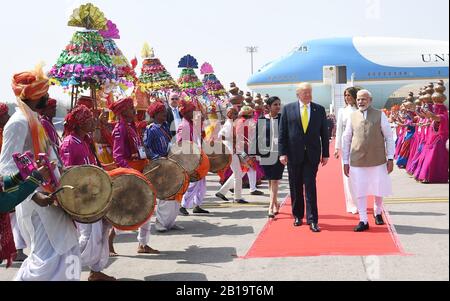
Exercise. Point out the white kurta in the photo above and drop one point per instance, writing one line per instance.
(167, 213)
(18, 238)
(343, 116)
(48, 231)
(94, 245)
(46, 264)
(366, 181)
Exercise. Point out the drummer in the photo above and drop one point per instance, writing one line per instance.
(157, 140)
(128, 149)
(75, 151)
(187, 132)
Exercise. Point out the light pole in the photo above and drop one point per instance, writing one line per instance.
(252, 50)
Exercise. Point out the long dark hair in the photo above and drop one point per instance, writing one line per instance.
(353, 91)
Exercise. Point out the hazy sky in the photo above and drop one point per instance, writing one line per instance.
(216, 31)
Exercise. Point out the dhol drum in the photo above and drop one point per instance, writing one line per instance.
(133, 199)
(169, 178)
(219, 157)
(192, 159)
(91, 197)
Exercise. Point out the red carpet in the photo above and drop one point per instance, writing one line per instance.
(280, 238)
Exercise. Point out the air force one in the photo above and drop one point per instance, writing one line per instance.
(385, 66)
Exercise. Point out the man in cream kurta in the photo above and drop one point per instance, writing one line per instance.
(368, 153)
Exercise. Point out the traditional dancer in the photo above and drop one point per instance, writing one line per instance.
(227, 134)
(129, 152)
(48, 231)
(409, 129)
(187, 132)
(76, 150)
(157, 140)
(246, 128)
(435, 164)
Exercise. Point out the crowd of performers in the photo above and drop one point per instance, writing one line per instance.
(111, 138)
(421, 128)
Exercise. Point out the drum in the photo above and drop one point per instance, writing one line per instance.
(191, 158)
(219, 159)
(133, 199)
(91, 197)
(170, 179)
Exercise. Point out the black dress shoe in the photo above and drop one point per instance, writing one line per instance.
(298, 222)
(257, 192)
(314, 228)
(379, 220)
(241, 201)
(362, 227)
(184, 212)
(221, 196)
(199, 210)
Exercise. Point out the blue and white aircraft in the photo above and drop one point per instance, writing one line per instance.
(381, 65)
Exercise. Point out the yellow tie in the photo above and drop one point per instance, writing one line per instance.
(305, 121)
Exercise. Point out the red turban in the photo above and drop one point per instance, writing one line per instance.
(51, 103)
(77, 117)
(186, 107)
(87, 101)
(28, 86)
(155, 108)
(3, 109)
(121, 105)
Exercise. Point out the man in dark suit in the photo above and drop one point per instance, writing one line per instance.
(304, 143)
(173, 114)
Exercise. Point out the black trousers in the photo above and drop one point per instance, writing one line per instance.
(302, 180)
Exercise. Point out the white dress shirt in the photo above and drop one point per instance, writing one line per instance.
(176, 116)
(387, 133)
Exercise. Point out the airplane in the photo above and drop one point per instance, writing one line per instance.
(385, 66)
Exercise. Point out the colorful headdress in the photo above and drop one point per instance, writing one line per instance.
(30, 85)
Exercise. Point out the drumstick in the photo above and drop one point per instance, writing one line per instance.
(61, 189)
(153, 169)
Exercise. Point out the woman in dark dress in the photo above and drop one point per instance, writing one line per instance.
(268, 133)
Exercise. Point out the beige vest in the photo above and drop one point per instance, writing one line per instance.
(368, 144)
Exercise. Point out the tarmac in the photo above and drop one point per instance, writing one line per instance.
(211, 246)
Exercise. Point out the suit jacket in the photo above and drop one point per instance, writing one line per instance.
(294, 142)
(170, 120)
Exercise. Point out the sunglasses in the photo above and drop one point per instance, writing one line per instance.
(176, 98)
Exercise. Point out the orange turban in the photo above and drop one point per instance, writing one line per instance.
(28, 86)
(121, 105)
